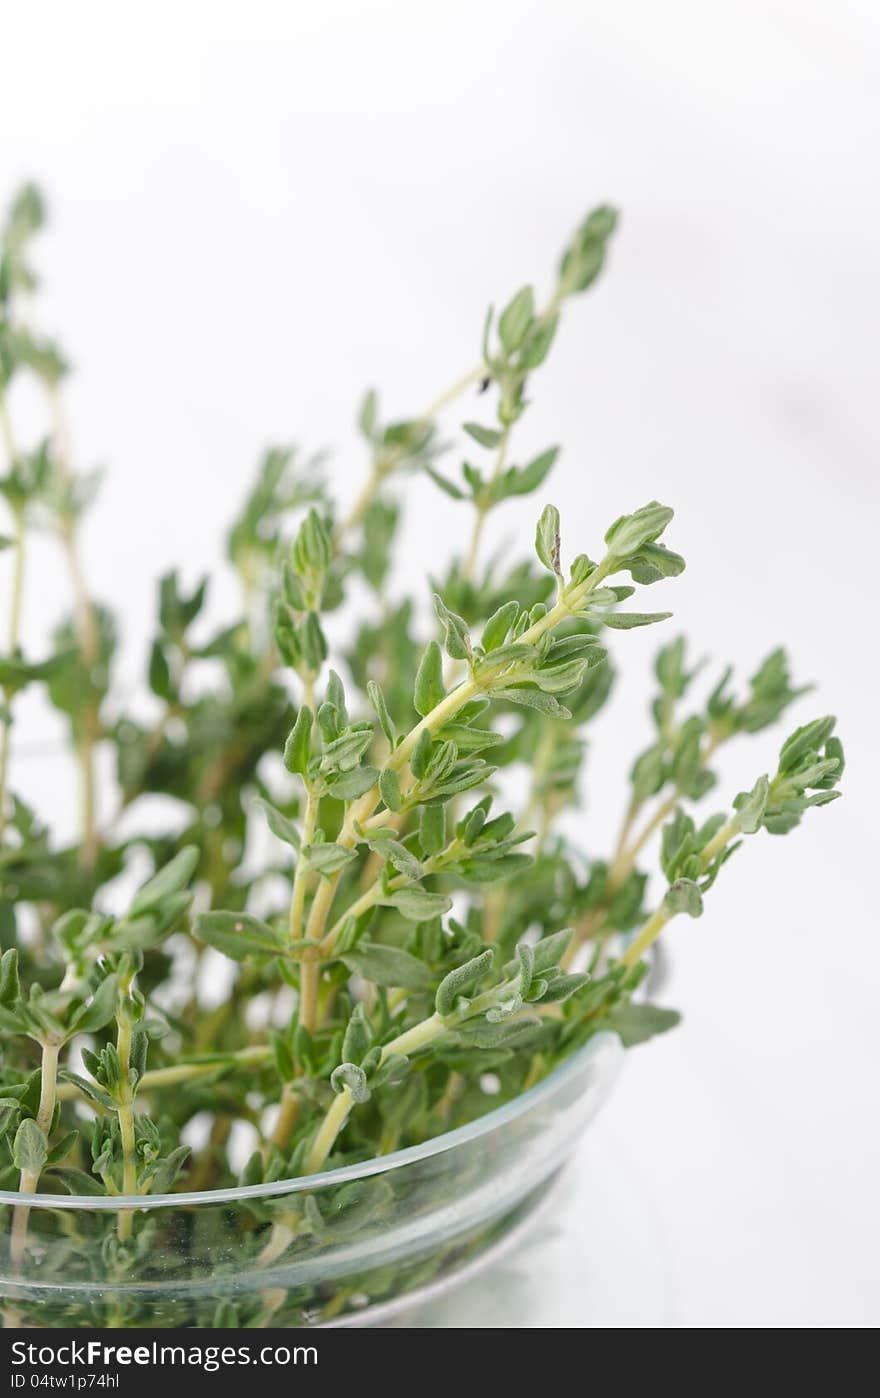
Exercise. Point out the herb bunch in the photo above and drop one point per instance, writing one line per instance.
(394, 929)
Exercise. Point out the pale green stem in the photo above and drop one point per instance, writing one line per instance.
(183, 1072)
(125, 1116)
(659, 918)
(309, 970)
(483, 506)
(387, 463)
(308, 694)
(419, 1037)
(377, 892)
(626, 854)
(649, 934)
(300, 878)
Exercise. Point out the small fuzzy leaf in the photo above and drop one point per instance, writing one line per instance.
(636, 1023)
(389, 789)
(388, 966)
(456, 636)
(429, 688)
(377, 699)
(30, 1149)
(625, 621)
(281, 825)
(464, 978)
(349, 1076)
(516, 319)
(237, 935)
(416, 905)
(547, 539)
(486, 436)
(684, 896)
(297, 749)
(175, 876)
(751, 806)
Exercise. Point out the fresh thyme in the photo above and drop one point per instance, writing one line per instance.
(406, 933)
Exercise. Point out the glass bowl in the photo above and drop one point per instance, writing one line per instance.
(358, 1245)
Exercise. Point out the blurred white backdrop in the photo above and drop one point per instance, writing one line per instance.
(259, 209)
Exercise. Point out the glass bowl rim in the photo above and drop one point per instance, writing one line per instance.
(437, 1145)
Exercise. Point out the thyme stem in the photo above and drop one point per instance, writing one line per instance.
(484, 505)
(387, 463)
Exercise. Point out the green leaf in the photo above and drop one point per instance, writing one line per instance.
(161, 1174)
(348, 786)
(497, 627)
(398, 855)
(625, 621)
(99, 1011)
(560, 986)
(368, 413)
(489, 869)
(281, 825)
(684, 896)
(432, 829)
(457, 638)
(30, 1149)
(417, 905)
(159, 674)
(653, 562)
(649, 772)
(358, 1035)
(809, 738)
(628, 534)
(348, 1075)
(74, 1181)
(62, 1148)
(388, 966)
(634, 1024)
(173, 877)
(328, 858)
(547, 539)
(751, 806)
(447, 486)
(534, 699)
(10, 990)
(486, 436)
(524, 479)
(505, 1034)
(549, 951)
(237, 935)
(377, 700)
(16, 672)
(461, 981)
(297, 749)
(563, 678)
(516, 318)
(429, 688)
(389, 789)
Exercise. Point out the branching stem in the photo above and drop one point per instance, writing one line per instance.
(388, 461)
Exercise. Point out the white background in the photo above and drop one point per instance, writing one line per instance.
(260, 208)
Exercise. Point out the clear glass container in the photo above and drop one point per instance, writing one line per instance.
(357, 1245)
